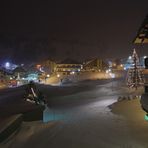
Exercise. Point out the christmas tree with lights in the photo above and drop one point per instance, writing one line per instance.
(134, 75)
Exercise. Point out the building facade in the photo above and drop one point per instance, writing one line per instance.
(68, 66)
(95, 65)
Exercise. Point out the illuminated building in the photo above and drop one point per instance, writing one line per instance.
(95, 65)
(49, 66)
(68, 66)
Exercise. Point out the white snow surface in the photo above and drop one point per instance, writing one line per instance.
(82, 119)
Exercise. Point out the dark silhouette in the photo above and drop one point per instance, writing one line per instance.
(33, 94)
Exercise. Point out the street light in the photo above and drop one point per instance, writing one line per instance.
(145, 57)
(48, 75)
(130, 57)
(58, 75)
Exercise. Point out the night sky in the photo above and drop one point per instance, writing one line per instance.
(37, 30)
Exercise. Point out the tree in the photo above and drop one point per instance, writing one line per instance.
(134, 75)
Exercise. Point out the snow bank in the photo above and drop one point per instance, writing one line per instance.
(131, 110)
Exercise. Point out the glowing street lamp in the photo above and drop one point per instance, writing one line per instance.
(121, 65)
(58, 75)
(130, 57)
(72, 72)
(107, 71)
(48, 75)
(7, 65)
(145, 57)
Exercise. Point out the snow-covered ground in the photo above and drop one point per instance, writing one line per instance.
(79, 117)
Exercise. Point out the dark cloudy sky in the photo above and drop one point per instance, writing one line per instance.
(36, 30)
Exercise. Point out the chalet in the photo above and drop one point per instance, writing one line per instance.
(68, 66)
(95, 65)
